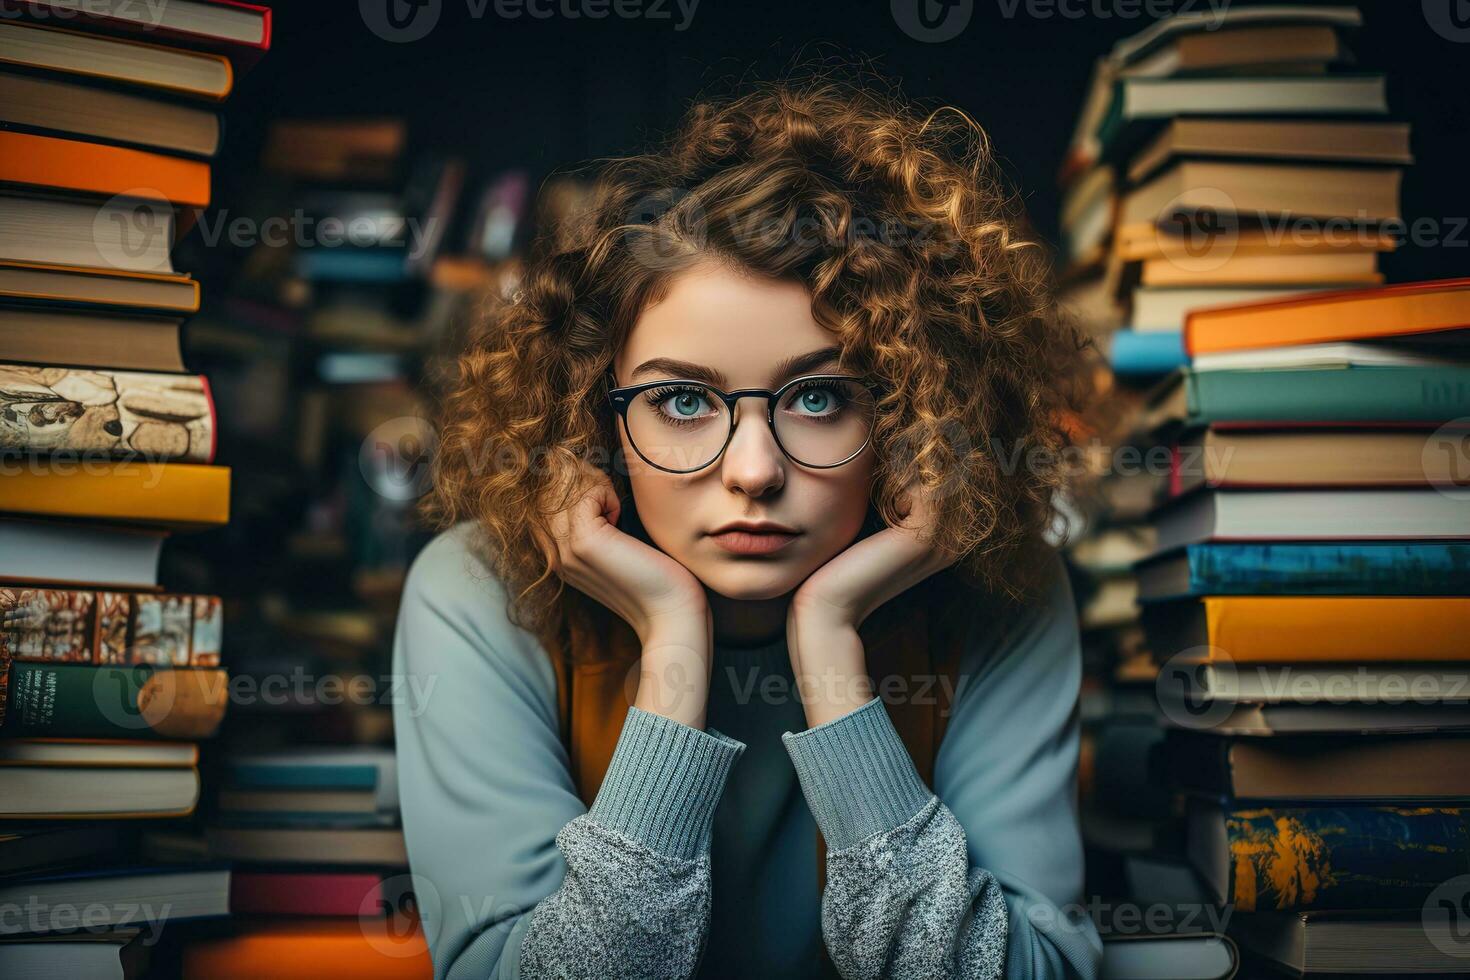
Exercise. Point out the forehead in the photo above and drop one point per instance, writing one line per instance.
(741, 325)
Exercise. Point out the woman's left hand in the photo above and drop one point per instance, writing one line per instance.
(822, 622)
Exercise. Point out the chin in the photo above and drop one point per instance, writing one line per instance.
(750, 580)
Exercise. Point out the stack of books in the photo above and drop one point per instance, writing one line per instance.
(1308, 613)
(319, 868)
(107, 680)
(1226, 157)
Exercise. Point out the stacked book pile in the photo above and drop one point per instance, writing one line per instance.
(1226, 157)
(319, 868)
(107, 679)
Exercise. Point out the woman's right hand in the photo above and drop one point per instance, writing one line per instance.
(658, 597)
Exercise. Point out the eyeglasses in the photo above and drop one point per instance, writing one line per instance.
(679, 426)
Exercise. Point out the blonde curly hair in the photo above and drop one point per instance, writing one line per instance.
(916, 257)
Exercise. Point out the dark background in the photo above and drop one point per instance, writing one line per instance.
(546, 94)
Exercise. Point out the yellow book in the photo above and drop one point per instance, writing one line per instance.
(1311, 629)
(135, 491)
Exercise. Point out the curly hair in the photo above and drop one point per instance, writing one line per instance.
(916, 257)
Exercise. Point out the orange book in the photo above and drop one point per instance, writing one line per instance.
(136, 491)
(1341, 315)
(1317, 629)
(93, 168)
(364, 949)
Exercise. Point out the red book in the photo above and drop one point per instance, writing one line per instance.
(269, 893)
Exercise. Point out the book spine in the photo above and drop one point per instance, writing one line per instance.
(1350, 395)
(104, 627)
(1330, 569)
(1343, 857)
(1360, 629)
(81, 701)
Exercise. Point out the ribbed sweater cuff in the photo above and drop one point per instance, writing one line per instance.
(664, 782)
(857, 775)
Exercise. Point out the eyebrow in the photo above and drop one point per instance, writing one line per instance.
(788, 368)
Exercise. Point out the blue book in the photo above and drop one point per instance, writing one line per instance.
(359, 767)
(347, 264)
(1427, 568)
(1148, 354)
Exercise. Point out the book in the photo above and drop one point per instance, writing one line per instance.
(1137, 101)
(82, 338)
(117, 235)
(153, 66)
(340, 802)
(114, 954)
(1270, 515)
(107, 627)
(1165, 309)
(1312, 770)
(75, 166)
(96, 413)
(116, 898)
(1245, 269)
(1194, 694)
(355, 768)
(1332, 718)
(60, 106)
(344, 846)
(280, 893)
(37, 792)
(1308, 568)
(1248, 629)
(1255, 49)
(1347, 396)
(1403, 310)
(81, 752)
(66, 553)
(1249, 193)
(347, 150)
(221, 22)
(58, 700)
(75, 285)
(1169, 956)
(370, 949)
(1300, 858)
(1323, 943)
(144, 492)
(1147, 354)
(34, 847)
(1344, 141)
(1310, 458)
(1342, 355)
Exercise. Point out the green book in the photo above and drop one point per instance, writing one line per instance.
(1351, 395)
(65, 700)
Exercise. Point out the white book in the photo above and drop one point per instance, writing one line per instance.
(1317, 356)
(1165, 309)
(1313, 515)
(54, 551)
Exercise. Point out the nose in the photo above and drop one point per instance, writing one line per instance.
(753, 464)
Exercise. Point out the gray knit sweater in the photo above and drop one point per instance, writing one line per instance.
(697, 857)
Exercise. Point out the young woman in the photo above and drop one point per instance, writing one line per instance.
(786, 372)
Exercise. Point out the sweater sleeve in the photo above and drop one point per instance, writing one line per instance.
(969, 879)
(515, 877)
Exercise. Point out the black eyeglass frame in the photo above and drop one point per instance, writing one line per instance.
(621, 398)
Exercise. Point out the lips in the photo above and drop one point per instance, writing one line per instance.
(745, 542)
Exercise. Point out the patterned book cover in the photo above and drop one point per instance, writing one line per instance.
(111, 413)
(1342, 857)
(103, 627)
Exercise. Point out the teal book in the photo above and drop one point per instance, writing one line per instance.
(1351, 395)
(1298, 858)
(1429, 568)
(67, 700)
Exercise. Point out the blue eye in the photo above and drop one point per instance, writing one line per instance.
(680, 403)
